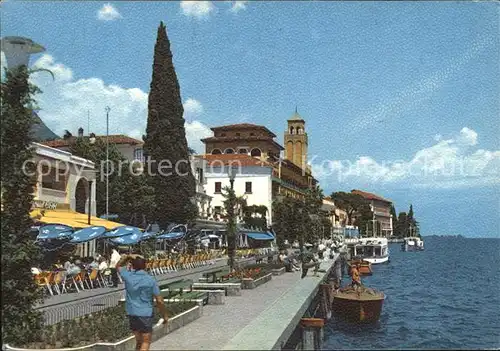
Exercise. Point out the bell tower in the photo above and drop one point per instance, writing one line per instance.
(295, 141)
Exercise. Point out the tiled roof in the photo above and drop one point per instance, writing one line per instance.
(235, 160)
(242, 126)
(235, 138)
(113, 139)
(370, 196)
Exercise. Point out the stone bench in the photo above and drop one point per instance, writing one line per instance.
(231, 289)
(249, 283)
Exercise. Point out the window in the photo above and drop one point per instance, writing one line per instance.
(243, 151)
(217, 210)
(54, 178)
(229, 151)
(248, 187)
(222, 134)
(216, 152)
(238, 134)
(138, 155)
(256, 152)
(218, 187)
(252, 134)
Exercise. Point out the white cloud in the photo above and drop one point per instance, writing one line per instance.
(108, 13)
(65, 101)
(197, 9)
(237, 6)
(448, 163)
(192, 108)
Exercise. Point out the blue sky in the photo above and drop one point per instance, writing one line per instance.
(382, 86)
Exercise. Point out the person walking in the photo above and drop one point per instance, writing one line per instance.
(140, 289)
(115, 257)
(309, 261)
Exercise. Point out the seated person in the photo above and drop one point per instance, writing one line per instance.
(71, 268)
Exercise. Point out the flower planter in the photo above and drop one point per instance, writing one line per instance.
(159, 330)
(250, 283)
(278, 271)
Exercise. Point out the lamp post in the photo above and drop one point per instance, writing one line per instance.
(107, 160)
(231, 220)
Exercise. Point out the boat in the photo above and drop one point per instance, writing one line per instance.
(365, 267)
(413, 243)
(374, 250)
(362, 306)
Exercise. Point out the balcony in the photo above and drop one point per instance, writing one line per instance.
(288, 185)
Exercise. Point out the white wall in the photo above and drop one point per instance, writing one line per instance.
(261, 186)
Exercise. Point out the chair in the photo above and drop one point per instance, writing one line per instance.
(92, 277)
(79, 278)
(59, 278)
(42, 280)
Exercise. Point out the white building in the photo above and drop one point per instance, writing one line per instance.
(253, 181)
(64, 182)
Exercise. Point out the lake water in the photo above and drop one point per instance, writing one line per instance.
(446, 297)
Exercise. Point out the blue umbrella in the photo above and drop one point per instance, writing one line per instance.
(122, 231)
(87, 234)
(54, 231)
(127, 240)
(147, 235)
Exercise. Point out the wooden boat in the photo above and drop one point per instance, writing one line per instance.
(364, 306)
(365, 267)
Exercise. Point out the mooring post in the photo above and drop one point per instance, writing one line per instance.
(326, 300)
(312, 333)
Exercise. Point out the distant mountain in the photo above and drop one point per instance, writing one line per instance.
(40, 131)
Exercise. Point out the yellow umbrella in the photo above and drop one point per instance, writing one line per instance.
(71, 218)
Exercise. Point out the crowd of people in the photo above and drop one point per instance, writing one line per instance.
(74, 265)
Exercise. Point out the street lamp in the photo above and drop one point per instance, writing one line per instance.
(107, 160)
(231, 172)
(17, 50)
(231, 232)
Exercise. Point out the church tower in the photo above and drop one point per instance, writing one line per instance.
(296, 141)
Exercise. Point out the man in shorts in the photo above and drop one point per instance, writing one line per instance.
(140, 288)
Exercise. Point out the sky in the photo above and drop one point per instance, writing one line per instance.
(399, 98)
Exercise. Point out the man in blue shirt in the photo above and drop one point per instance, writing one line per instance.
(140, 288)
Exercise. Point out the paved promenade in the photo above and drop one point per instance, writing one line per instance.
(220, 323)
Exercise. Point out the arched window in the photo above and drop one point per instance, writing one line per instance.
(243, 151)
(256, 152)
(292, 131)
(299, 130)
(216, 152)
(229, 151)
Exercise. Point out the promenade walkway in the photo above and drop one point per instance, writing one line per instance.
(220, 323)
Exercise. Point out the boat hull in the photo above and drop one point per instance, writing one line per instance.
(376, 260)
(357, 311)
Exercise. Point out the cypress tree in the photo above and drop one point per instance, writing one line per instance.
(20, 321)
(165, 141)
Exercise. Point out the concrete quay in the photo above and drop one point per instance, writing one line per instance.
(260, 319)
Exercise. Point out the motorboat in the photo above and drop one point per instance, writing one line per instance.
(413, 243)
(365, 267)
(361, 305)
(374, 250)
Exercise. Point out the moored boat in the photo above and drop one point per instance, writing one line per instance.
(364, 306)
(365, 267)
(413, 244)
(374, 250)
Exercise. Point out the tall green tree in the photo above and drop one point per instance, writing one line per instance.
(255, 216)
(349, 202)
(20, 321)
(291, 221)
(165, 142)
(401, 229)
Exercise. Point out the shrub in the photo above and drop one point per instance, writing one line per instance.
(109, 325)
